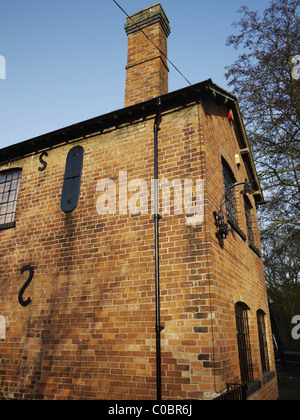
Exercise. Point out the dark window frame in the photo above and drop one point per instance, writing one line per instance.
(244, 342)
(229, 181)
(263, 342)
(248, 214)
(230, 193)
(9, 191)
(249, 223)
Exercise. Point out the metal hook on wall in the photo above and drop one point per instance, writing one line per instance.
(43, 162)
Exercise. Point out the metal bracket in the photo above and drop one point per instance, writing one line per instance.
(44, 163)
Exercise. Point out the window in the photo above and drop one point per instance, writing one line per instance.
(250, 232)
(263, 344)
(248, 214)
(9, 189)
(243, 339)
(230, 198)
(72, 180)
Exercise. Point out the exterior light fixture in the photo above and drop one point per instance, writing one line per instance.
(219, 216)
(248, 190)
(238, 161)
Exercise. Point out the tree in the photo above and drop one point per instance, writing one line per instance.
(282, 265)
(265, 81)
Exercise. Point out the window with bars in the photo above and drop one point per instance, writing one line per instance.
(244, 345)
(230, 197)
(263, 343)
(9, 189)
(248, 214)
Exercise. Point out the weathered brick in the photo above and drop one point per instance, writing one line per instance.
(89, 332)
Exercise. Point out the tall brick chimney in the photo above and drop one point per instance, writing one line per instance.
(147, 67)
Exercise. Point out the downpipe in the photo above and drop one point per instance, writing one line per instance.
(157, 218)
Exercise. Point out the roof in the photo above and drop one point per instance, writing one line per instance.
(202, 91)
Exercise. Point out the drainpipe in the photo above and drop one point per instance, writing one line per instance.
(157, 217)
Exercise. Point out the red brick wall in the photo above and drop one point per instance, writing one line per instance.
(236, 271)
(90, 329)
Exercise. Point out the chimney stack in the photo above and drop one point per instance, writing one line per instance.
(147, 66)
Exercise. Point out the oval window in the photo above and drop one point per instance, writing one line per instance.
(72, 180)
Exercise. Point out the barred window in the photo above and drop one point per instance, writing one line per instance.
(263, 343)
(248, 214)
(230, 197)
(9, 189)
(244, 345)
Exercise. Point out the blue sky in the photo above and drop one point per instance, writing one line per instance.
(65, 59)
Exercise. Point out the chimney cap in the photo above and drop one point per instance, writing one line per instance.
(147, 17)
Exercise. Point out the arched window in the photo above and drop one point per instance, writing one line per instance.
(263, 343)
(244, 344)
(2, 328)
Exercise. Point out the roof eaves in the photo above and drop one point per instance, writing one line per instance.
(205, 90)
(245, 148)
(97, 124)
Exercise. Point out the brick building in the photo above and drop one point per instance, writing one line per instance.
(79, 272)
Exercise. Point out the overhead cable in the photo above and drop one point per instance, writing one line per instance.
(172, 64)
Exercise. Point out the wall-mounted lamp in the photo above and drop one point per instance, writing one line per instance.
(219, 216)
(238, 161)
(248, 190)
